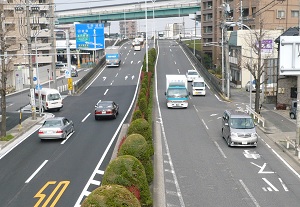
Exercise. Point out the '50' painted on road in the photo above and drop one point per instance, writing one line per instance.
(60, 186)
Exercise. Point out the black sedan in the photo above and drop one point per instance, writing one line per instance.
(106, 109)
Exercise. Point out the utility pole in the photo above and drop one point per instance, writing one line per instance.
(29, 46)
(297, 141)
(53, 48)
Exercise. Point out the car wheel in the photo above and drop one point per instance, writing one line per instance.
(292, 115)
(115, 116)
(65, 136)
(223, 134)
(229, 142)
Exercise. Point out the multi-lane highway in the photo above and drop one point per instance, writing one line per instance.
(62, 173)
(199, 168)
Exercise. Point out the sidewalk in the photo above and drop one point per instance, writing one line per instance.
(279, 127)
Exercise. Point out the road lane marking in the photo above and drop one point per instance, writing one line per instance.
(204, 124)
(36, 172)
(195, 108)
(64, 141)
(116, 74)
(85, 117)
(219, 148)
(283, 185)
(249, 194)
(178, 71)
(261, 171)
(112, 82)
(270, 185)
(105, 92)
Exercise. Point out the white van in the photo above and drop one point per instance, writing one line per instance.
(199, 86)
(50, 99)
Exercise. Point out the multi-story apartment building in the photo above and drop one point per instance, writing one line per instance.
(275, 15)
(128, 28)
(16, 17)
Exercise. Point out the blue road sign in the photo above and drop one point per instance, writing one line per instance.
(34, 78)
(38, 87)
(89, 36)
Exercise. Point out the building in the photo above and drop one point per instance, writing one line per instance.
(16, 16)
(173, 30)
(276, 15)
(128, 28)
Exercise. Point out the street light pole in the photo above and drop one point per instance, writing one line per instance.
(195, 38)
(146, 18)
(223, 87)
(153, 29)
(37, 74)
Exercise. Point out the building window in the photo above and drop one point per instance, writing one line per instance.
(295, 13)
(280, 14)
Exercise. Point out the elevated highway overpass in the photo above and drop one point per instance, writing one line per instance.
(130, 11)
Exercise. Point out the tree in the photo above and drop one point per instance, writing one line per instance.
(256, 67)
(5, 66)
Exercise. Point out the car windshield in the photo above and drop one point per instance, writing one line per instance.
(198, 84)
(192, 73)
(53, 97)
(177, 92)
(52, 123)
(104, 106)
(242, 123)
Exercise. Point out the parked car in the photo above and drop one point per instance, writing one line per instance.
(293, 110)
(238, 129)
(62, 67)
(106, 109)
(56, 128)
(192, 74)
(253, 87)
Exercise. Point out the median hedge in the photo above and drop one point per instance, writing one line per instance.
(129, 172)
(111, 195)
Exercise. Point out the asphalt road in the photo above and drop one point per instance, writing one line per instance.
(199, 168)
(62, 173)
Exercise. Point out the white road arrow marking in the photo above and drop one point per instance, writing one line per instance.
(104, 78)
(249, 154)
(270, 184)
(126, 77)
(132, 77)
(261, 171)
(213, 114)
(139, 61)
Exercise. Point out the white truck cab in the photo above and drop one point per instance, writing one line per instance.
(199, 87)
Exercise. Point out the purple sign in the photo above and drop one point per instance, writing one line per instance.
(266, 46)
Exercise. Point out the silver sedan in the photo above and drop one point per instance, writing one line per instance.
(56, 128)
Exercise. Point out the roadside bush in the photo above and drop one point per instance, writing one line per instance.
(129, 172)
(137, 146)
(137, 115)
(142, 127)
(143, 106)
(111, 195)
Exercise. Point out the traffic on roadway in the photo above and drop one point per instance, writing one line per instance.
(195, 164)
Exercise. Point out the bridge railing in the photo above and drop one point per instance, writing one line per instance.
(124, 10)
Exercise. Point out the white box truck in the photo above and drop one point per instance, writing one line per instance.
(177, 94)
(199, 87)
(113, 56)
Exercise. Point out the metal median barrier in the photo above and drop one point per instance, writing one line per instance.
(214, 82)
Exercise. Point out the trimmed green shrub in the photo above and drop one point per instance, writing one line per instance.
(142, 127)
(137, 115)
(137, 146)
(129, 172)
(143, 105)
(111, 195)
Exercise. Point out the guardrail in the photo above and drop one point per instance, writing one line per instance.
(292, 142)
(257, 117)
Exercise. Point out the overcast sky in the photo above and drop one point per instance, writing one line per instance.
(159, 23)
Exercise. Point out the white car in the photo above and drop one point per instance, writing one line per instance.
(192, 74)
(253, 87)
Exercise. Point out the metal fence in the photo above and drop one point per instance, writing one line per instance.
(211, 80)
